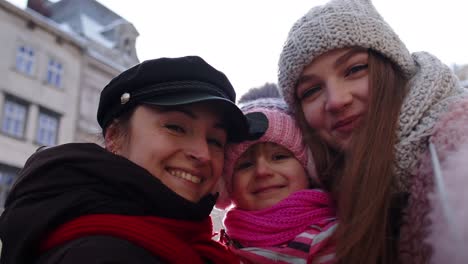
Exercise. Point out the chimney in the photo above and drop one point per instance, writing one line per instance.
(40, 6)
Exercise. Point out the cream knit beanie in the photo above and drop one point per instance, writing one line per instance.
(337, 24)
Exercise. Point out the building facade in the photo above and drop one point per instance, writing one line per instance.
(110, 49)
(54, 65)
(462, 72)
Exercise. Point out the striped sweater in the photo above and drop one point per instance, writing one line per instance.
(311, 246)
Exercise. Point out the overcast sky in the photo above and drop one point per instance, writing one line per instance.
(243, 38)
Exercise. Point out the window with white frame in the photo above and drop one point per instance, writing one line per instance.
(7, 178)
(54, 73)
(25, 57)
(14, 117)
(47, 128)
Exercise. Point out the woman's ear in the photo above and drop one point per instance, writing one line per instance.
(112, 138)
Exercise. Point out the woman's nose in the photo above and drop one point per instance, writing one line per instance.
(338, 97)
(199, 151)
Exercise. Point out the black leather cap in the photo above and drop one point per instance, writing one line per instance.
(171, 82)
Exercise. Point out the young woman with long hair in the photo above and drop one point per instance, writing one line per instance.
(376, 110)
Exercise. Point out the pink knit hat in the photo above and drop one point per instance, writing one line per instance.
(269, 121)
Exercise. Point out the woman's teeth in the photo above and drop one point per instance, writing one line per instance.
(185, 175)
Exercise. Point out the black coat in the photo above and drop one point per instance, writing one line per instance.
(98, 250)
(64, 182)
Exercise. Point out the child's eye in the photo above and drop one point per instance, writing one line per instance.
(356, 68)
(175, 128)
(281, 156)
(310, 92)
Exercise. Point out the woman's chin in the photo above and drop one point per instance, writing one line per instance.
(340, 144)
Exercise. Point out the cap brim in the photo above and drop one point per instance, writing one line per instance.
(236, 122)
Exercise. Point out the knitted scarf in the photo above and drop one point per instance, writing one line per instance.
(174, 241)
(282, 222)
(431, 90)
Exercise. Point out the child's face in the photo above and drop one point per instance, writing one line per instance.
(266, 174)
(181, 146)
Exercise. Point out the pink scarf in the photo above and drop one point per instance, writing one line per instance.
(282, 222)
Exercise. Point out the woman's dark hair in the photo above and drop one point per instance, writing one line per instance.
(120, 126)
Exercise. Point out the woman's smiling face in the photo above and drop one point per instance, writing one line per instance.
(333, 92)
(182, 146)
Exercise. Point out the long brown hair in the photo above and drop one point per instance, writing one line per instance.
(362, 178)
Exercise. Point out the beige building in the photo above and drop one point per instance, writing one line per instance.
(40, 72)
(110, 49)
(56, 58)
(462, 72)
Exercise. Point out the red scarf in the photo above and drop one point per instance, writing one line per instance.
(174, 241)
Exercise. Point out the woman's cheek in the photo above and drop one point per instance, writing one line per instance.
(312, 116)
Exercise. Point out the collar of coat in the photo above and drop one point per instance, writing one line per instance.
(61, 183)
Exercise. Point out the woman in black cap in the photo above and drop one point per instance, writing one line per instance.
(144, 198)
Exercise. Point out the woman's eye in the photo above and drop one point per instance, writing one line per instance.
(175, 128)
(356, 68)
(243, 165)
(310, 92)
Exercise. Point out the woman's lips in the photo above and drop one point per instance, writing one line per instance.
(346, 125)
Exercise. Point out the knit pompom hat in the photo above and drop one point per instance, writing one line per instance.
(281, 128)
(337, 24)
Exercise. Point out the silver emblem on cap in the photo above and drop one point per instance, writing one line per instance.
(124, 98)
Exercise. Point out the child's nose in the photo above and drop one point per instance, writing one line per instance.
(263, 168)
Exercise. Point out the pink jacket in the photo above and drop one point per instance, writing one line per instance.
(434, 223)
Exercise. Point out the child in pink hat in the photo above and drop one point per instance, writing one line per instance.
(276, 213)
